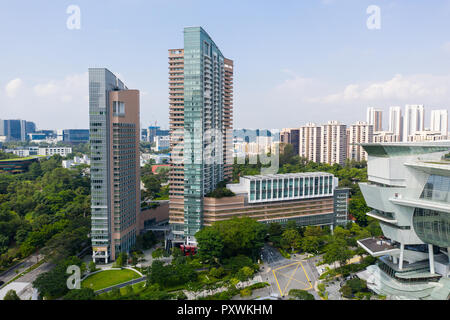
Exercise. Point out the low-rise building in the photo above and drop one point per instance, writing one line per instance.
(310, 198)
(62, 151)
(162, 143)
(76, 161)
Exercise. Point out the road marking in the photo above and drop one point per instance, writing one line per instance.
(281, 293)
(288, 265)
(296, 280)
(290, 279)
(306, 276)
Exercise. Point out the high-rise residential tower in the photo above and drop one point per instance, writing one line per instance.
(309, 142)
(201, 105)
(333, 143)
(115, 166)
(360, 132)
(414, 120)
(396, 122)
(439, 121)
(375, 118)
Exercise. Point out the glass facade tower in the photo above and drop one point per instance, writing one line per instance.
(205, 125)
(114, 139)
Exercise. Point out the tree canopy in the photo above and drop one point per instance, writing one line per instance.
(229, 238)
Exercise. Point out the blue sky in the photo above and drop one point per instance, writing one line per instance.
(295, 61)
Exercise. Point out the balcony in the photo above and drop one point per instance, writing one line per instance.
(378, 247)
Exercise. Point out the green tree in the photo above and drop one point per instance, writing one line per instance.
(210, 244)
(310, 244)
(80, 294)
(92, 266)
(121, 260)
(301, 294)
(230, 238)
(11, 295)
(291, 238)
(275, 229)
(337, 251)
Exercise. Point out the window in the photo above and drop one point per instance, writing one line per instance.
(118, 108)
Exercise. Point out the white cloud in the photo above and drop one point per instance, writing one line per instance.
(446, 47)
(64, 90)
(52, 104)
(298, 99)
(420, 87)
(13, 87)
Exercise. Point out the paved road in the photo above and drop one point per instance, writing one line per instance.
(32, 275)
(285, 274)
(272, 256)
(11, 273)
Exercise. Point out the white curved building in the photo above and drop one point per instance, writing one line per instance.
(409, 193)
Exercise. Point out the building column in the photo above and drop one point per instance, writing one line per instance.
(394, 259)
(431, 257)
(332, 229)
(402, 249)
(448, 254)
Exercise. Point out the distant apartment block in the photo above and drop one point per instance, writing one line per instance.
(333, 146)
(427, 135)
(439, 121)
(309, 142)
(291, 136)
(413, 120)
(375, 118)
(115, 170)
(358, 133)
(396, 122)
(386, 137)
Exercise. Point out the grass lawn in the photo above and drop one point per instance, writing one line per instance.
(108, 278)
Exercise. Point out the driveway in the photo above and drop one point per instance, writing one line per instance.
(8, 275)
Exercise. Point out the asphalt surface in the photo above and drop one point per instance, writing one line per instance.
(285, 274)
(272, 256)
(11, 273)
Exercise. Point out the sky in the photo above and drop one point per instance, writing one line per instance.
(294, 61)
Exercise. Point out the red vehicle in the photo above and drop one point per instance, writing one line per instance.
(188, 250)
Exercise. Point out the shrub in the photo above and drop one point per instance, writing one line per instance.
(246, 292)
(217, 272)
(80, 294)
(245, 273)
(301, 294)
(346, 291)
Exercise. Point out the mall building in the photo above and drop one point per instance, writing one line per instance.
(408, 190)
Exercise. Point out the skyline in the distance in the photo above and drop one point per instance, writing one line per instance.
(314, 61)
